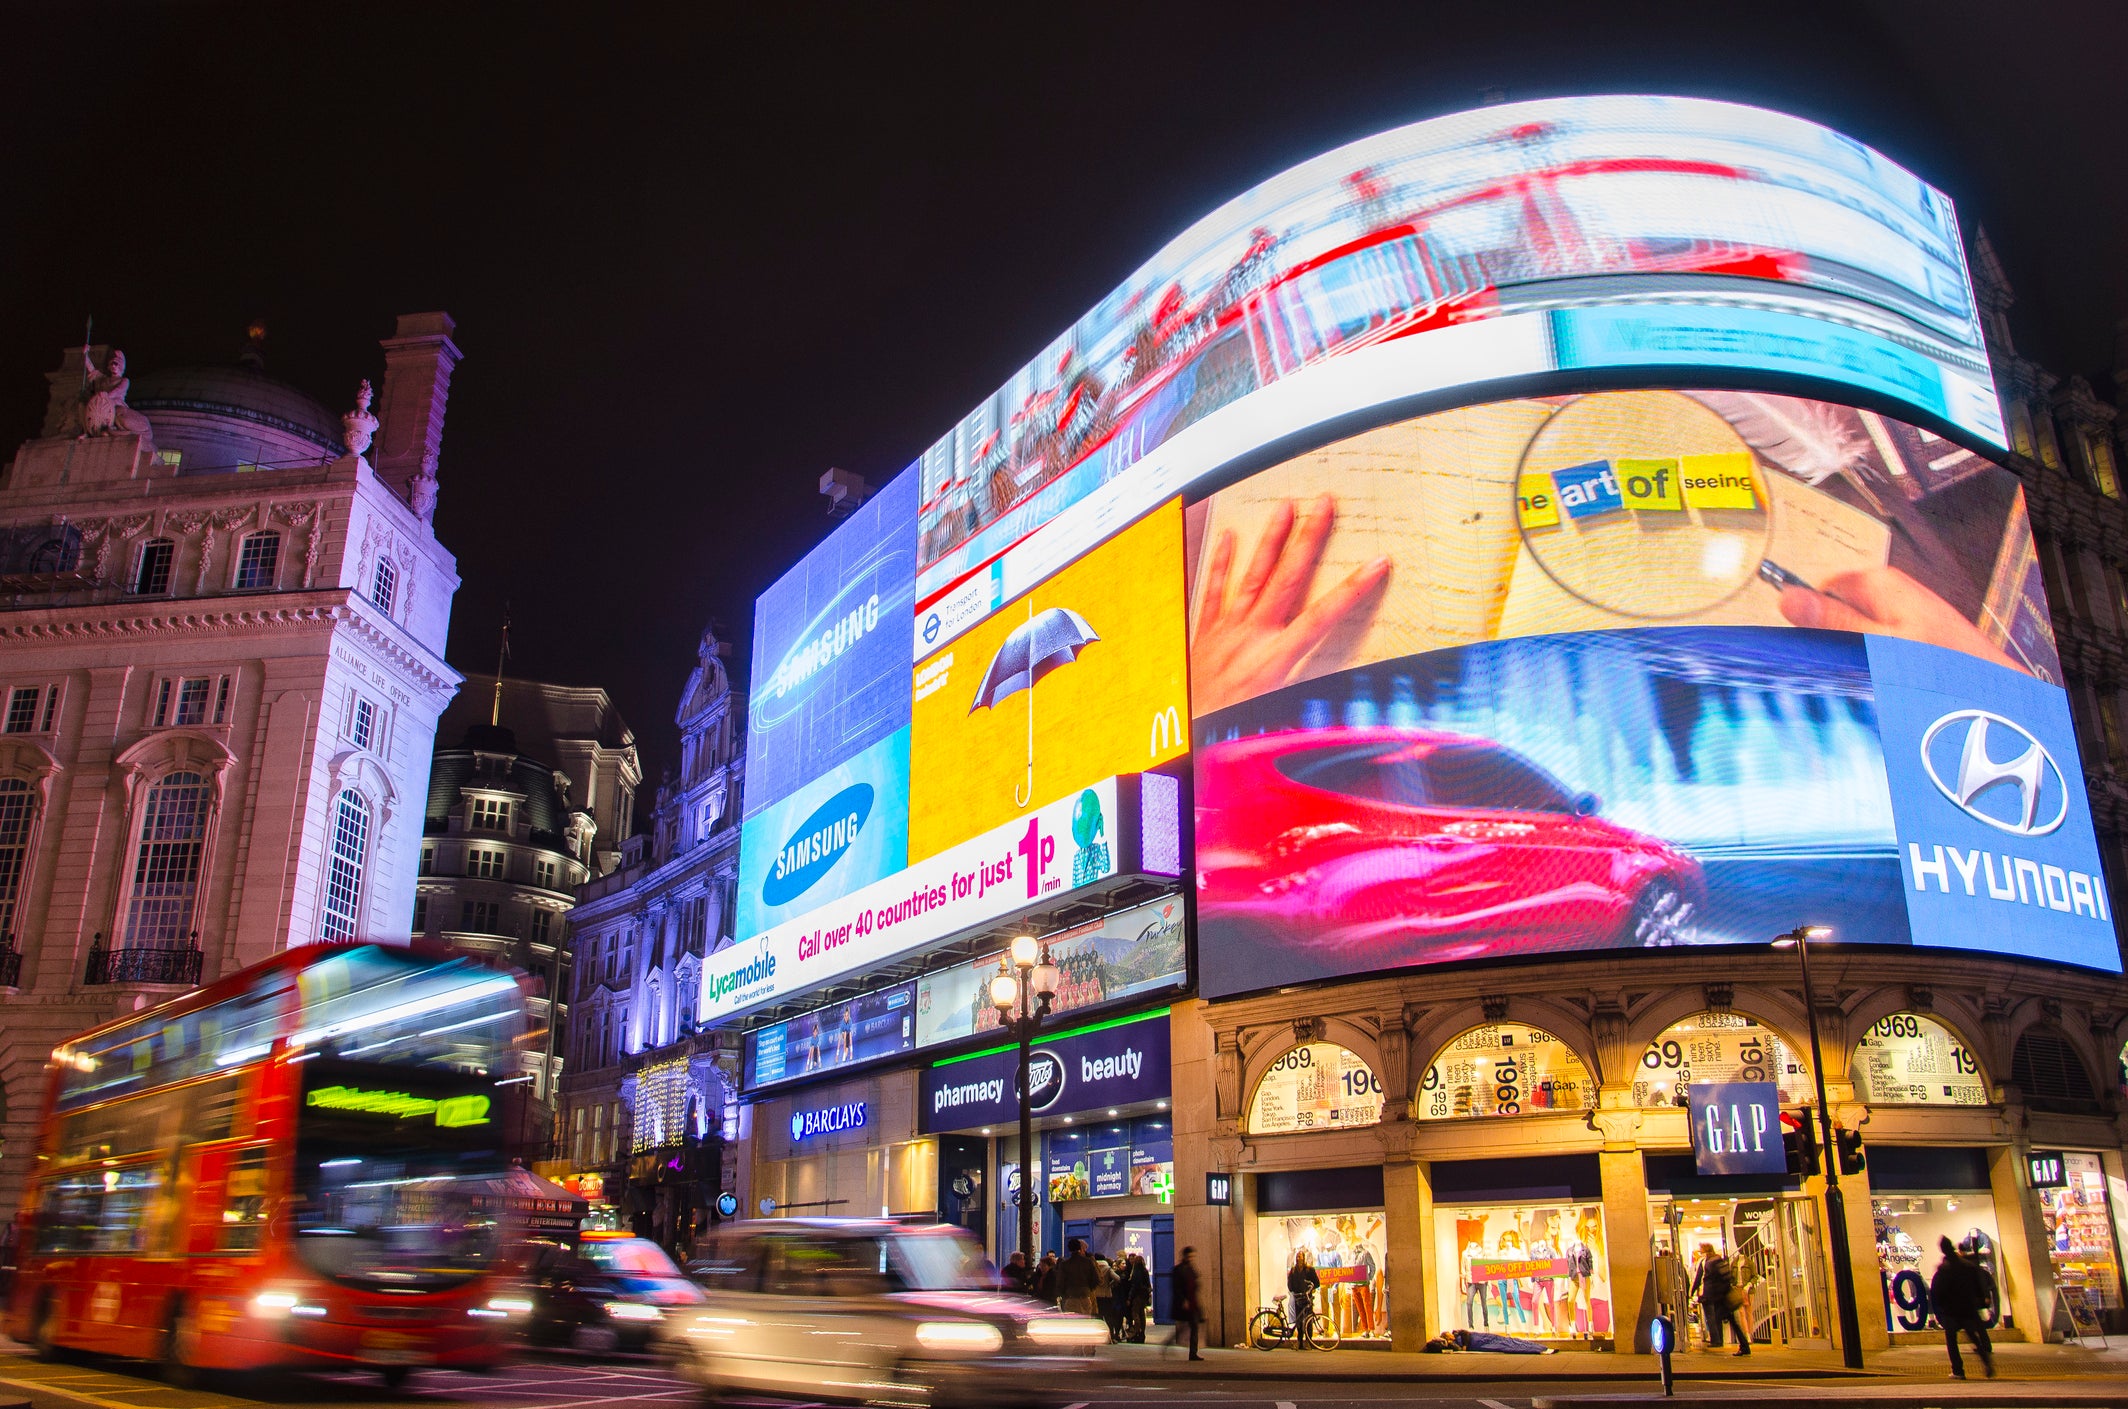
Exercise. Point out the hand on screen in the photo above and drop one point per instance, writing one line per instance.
(1888, 602)
(1249, 645)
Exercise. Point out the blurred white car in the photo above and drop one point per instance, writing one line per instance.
(871, 1311)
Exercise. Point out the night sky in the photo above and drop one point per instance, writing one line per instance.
(698, 256)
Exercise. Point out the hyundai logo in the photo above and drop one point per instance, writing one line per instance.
(2014, 789)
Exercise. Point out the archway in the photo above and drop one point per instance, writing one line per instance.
(1504, 1069)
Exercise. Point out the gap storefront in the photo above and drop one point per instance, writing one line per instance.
(1104, 1139)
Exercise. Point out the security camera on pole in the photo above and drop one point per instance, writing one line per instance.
(1843, 1267)
(1030, 992)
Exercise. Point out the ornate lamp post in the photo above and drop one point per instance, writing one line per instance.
(1022, 1000)
(1843, 1267)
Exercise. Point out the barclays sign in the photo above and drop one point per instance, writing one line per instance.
(827, 1120)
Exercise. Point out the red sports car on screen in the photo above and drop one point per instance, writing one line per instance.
(1388, 847)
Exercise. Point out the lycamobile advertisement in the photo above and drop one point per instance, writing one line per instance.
(1643, 788)
(1071, 842)
(839, 833)
(1517, 239)
(830, 670)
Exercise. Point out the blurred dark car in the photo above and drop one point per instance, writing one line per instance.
(610, 1294)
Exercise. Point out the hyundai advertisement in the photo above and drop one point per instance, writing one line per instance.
(831, 669)
(1641, 789)
(1513, 240)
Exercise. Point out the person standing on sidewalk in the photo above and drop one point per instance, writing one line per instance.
(1960, 1292)
(1076, 1279)
(1301, 1284)
(1189, 1299)
(1720, 1299)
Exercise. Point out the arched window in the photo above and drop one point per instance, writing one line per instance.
(1316, 1086)
(1718, 1047)
(258, 561)
(18, 809)
(1909, 1060)
(151, 574)
(166, 867)
(2051, 1075)
(343, 876)
(1505, 1069)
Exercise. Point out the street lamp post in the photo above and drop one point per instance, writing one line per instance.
(1022, 1000)
(1843, 1267)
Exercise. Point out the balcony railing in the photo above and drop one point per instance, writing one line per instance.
(145, 963)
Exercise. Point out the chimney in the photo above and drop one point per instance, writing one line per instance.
(418, 359)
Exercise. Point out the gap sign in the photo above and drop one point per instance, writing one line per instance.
(1736, 1128)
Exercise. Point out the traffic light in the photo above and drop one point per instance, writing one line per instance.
(1799, 1141)
(1850, 1143)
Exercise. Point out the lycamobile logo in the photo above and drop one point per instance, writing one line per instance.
(817, 845)
(758, 970)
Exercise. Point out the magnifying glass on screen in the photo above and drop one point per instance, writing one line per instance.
(1646, 504)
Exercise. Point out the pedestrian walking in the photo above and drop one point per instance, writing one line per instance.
(1108, 1301)
(1714, 1283)
(1960, 1293)
(1189, 1299)
(1137, 1289)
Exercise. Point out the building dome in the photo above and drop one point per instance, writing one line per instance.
(296, 419)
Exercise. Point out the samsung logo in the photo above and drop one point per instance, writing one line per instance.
(827, 1120)
(817, 844)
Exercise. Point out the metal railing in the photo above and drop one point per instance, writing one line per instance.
(145, 963)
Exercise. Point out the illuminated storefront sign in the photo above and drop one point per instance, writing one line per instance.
(827, 1120)
(1736, 1128)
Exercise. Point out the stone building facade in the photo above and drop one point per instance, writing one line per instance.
(532, 787)
(648, 1101)
(221, 660)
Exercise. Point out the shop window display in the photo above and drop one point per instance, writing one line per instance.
(1504, 1069)
(1909, 1060)
(1348, 1252)
(1316, 1086)
(2080, 1235)
(1908, 1227)
(1538, 1271)
(1718, 1047)
(1111, 1160)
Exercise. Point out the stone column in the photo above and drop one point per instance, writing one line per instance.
(1407, 1219)
(2019, 1280)
(1626, 1234)
(419, 357)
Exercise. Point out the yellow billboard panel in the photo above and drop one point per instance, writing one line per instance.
(1081, 679)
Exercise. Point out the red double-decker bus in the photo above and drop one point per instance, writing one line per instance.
(286, 1168)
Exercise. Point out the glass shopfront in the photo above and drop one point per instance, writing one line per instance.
(1920, 1195)
(2079, 1221)
(1333, 1220)
(1539, 1271)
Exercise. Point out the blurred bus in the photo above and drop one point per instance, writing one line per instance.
(282, 1169)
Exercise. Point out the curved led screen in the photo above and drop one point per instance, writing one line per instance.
(1572, 233)
(1625, 670)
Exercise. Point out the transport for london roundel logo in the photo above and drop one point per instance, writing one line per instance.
(1996, 771)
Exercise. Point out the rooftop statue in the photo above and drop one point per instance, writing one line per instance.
(104, 410)
(361, 425)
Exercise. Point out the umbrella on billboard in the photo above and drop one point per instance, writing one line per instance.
(1046, 640)
(1038, 645)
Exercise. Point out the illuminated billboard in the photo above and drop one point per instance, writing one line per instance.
(838, 833)
(1516, 240)
(1083, 678)
(1607, 510)
(830, 669)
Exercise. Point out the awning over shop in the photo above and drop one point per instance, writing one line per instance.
(530, 1203)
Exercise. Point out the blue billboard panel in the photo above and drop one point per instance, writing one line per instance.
(837, 834)
(1118, 1063)
(877, 1024)
(831, 650)
(1987, 795)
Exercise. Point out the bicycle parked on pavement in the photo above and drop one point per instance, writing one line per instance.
(1271, 1328)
